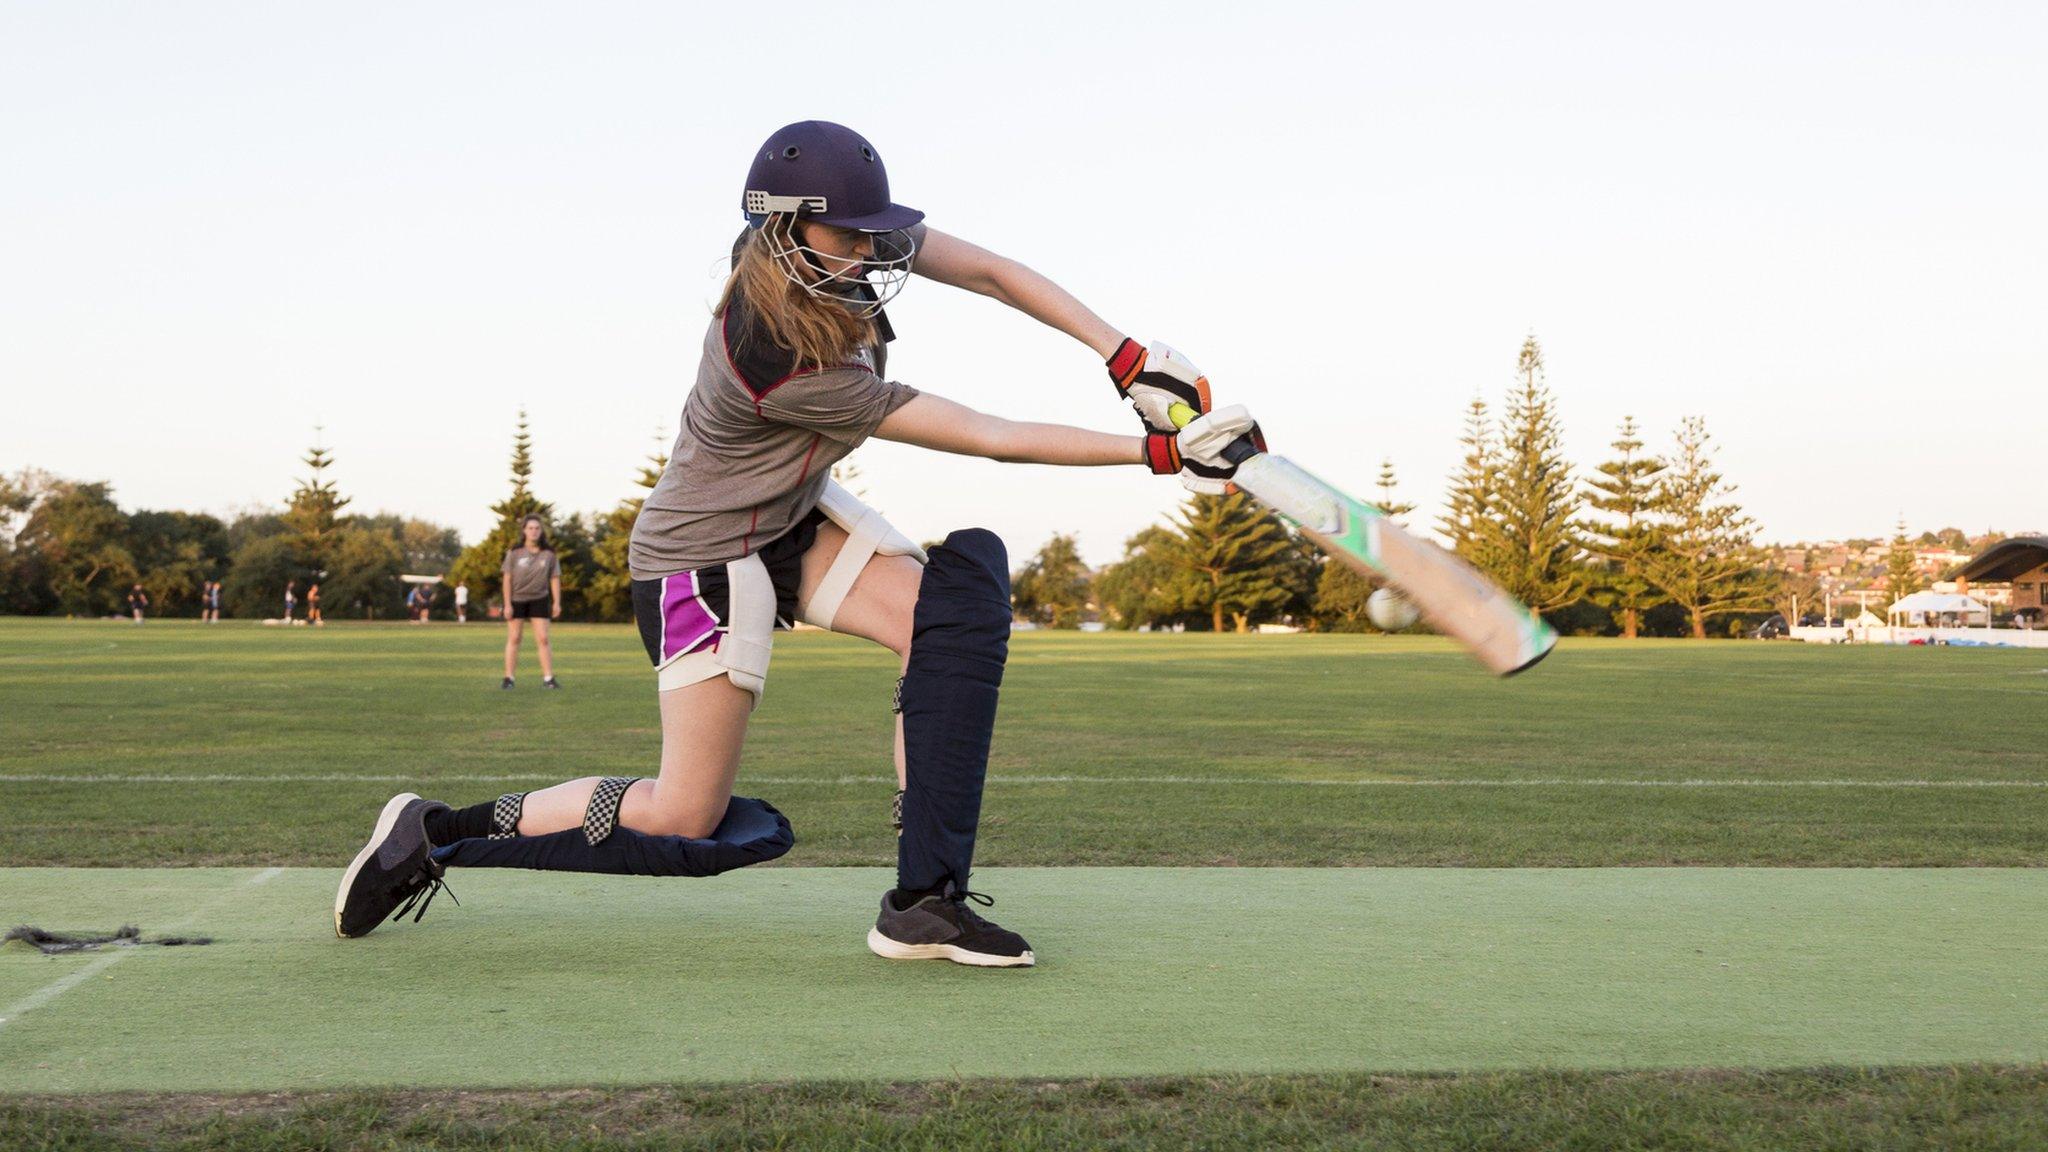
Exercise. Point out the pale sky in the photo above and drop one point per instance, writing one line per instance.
(1820, 226)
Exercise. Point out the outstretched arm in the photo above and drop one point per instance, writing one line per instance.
(1152, 378)
(935, 422)
(951, 260)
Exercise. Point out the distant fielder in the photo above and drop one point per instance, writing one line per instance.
(744, 533)
(532, 576)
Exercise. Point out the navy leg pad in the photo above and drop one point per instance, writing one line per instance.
(751, 832)
(960, 640)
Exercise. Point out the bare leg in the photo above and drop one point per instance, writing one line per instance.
(702, 728)
(878, 607)
(704, 725)
(512, 633)
(547, 653)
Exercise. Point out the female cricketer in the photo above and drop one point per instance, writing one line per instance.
(745, 533)
(532, 580)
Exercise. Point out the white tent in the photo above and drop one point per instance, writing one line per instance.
(1931, 608)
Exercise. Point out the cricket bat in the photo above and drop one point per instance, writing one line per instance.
(1499, 631)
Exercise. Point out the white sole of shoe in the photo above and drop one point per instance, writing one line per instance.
(385, 820)
(889, 949)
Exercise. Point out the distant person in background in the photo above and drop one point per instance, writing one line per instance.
(533, 591)
(138, 602)
(206, 602)
(291, 599)
(212, 613)
(462, 603)
(313, 606)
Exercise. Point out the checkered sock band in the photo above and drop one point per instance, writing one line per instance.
(505, 815)
(896, 802)
(603, 814)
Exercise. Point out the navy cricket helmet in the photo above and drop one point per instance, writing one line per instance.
(825, 172)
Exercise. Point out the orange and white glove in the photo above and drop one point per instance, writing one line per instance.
(1155, 379)
(1206, 452)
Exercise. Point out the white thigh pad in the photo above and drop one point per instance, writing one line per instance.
(867, 535)
(746, 641)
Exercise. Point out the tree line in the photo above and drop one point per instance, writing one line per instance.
(1645, 543)
(67, 548)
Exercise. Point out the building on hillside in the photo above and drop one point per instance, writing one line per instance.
(2021, 561)
(1935, 561)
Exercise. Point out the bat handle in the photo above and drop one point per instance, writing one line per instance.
(1239, 450)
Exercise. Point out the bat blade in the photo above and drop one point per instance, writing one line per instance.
(1453, 597)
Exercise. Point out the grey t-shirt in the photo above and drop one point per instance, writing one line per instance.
(527, 574)
(757, 444)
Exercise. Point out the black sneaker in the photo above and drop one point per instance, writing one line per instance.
(945, 928)
(507, 683)
(549, 683)
(394, 870)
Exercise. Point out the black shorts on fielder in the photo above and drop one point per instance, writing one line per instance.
(538, 608)
(693, 609)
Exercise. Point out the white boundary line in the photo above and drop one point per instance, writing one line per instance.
(115, 954)
(843, 781)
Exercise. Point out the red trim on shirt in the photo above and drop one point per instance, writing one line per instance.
(725, 346)
(755, 522)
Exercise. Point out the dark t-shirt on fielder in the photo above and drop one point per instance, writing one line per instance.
(527, 574)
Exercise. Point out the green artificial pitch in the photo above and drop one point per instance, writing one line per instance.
(546, 980)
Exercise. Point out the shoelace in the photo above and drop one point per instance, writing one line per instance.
(434, 884)
(968, 915)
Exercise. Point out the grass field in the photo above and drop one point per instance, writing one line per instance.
(249, 746)
(212, 780)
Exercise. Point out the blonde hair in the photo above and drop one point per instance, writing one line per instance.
(820, 333)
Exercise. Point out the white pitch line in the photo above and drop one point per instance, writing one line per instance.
(842, 781)
(114, 955)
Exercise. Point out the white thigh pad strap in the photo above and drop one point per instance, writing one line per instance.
(867, 535)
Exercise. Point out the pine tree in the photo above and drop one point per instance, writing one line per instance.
(1533, 552)
(609, 594)
(522, 502)
(1052, 589)
(1627, 492)
(1387, 503)
(313, 513)
(481, 565)
(1705, 561)
(522, 460)
(1470, 501)
(1232, 553)
(1901, 574)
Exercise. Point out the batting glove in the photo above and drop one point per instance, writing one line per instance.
(1156, 379)
(1201, 451)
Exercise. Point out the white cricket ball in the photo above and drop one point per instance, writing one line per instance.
(1390, 611)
